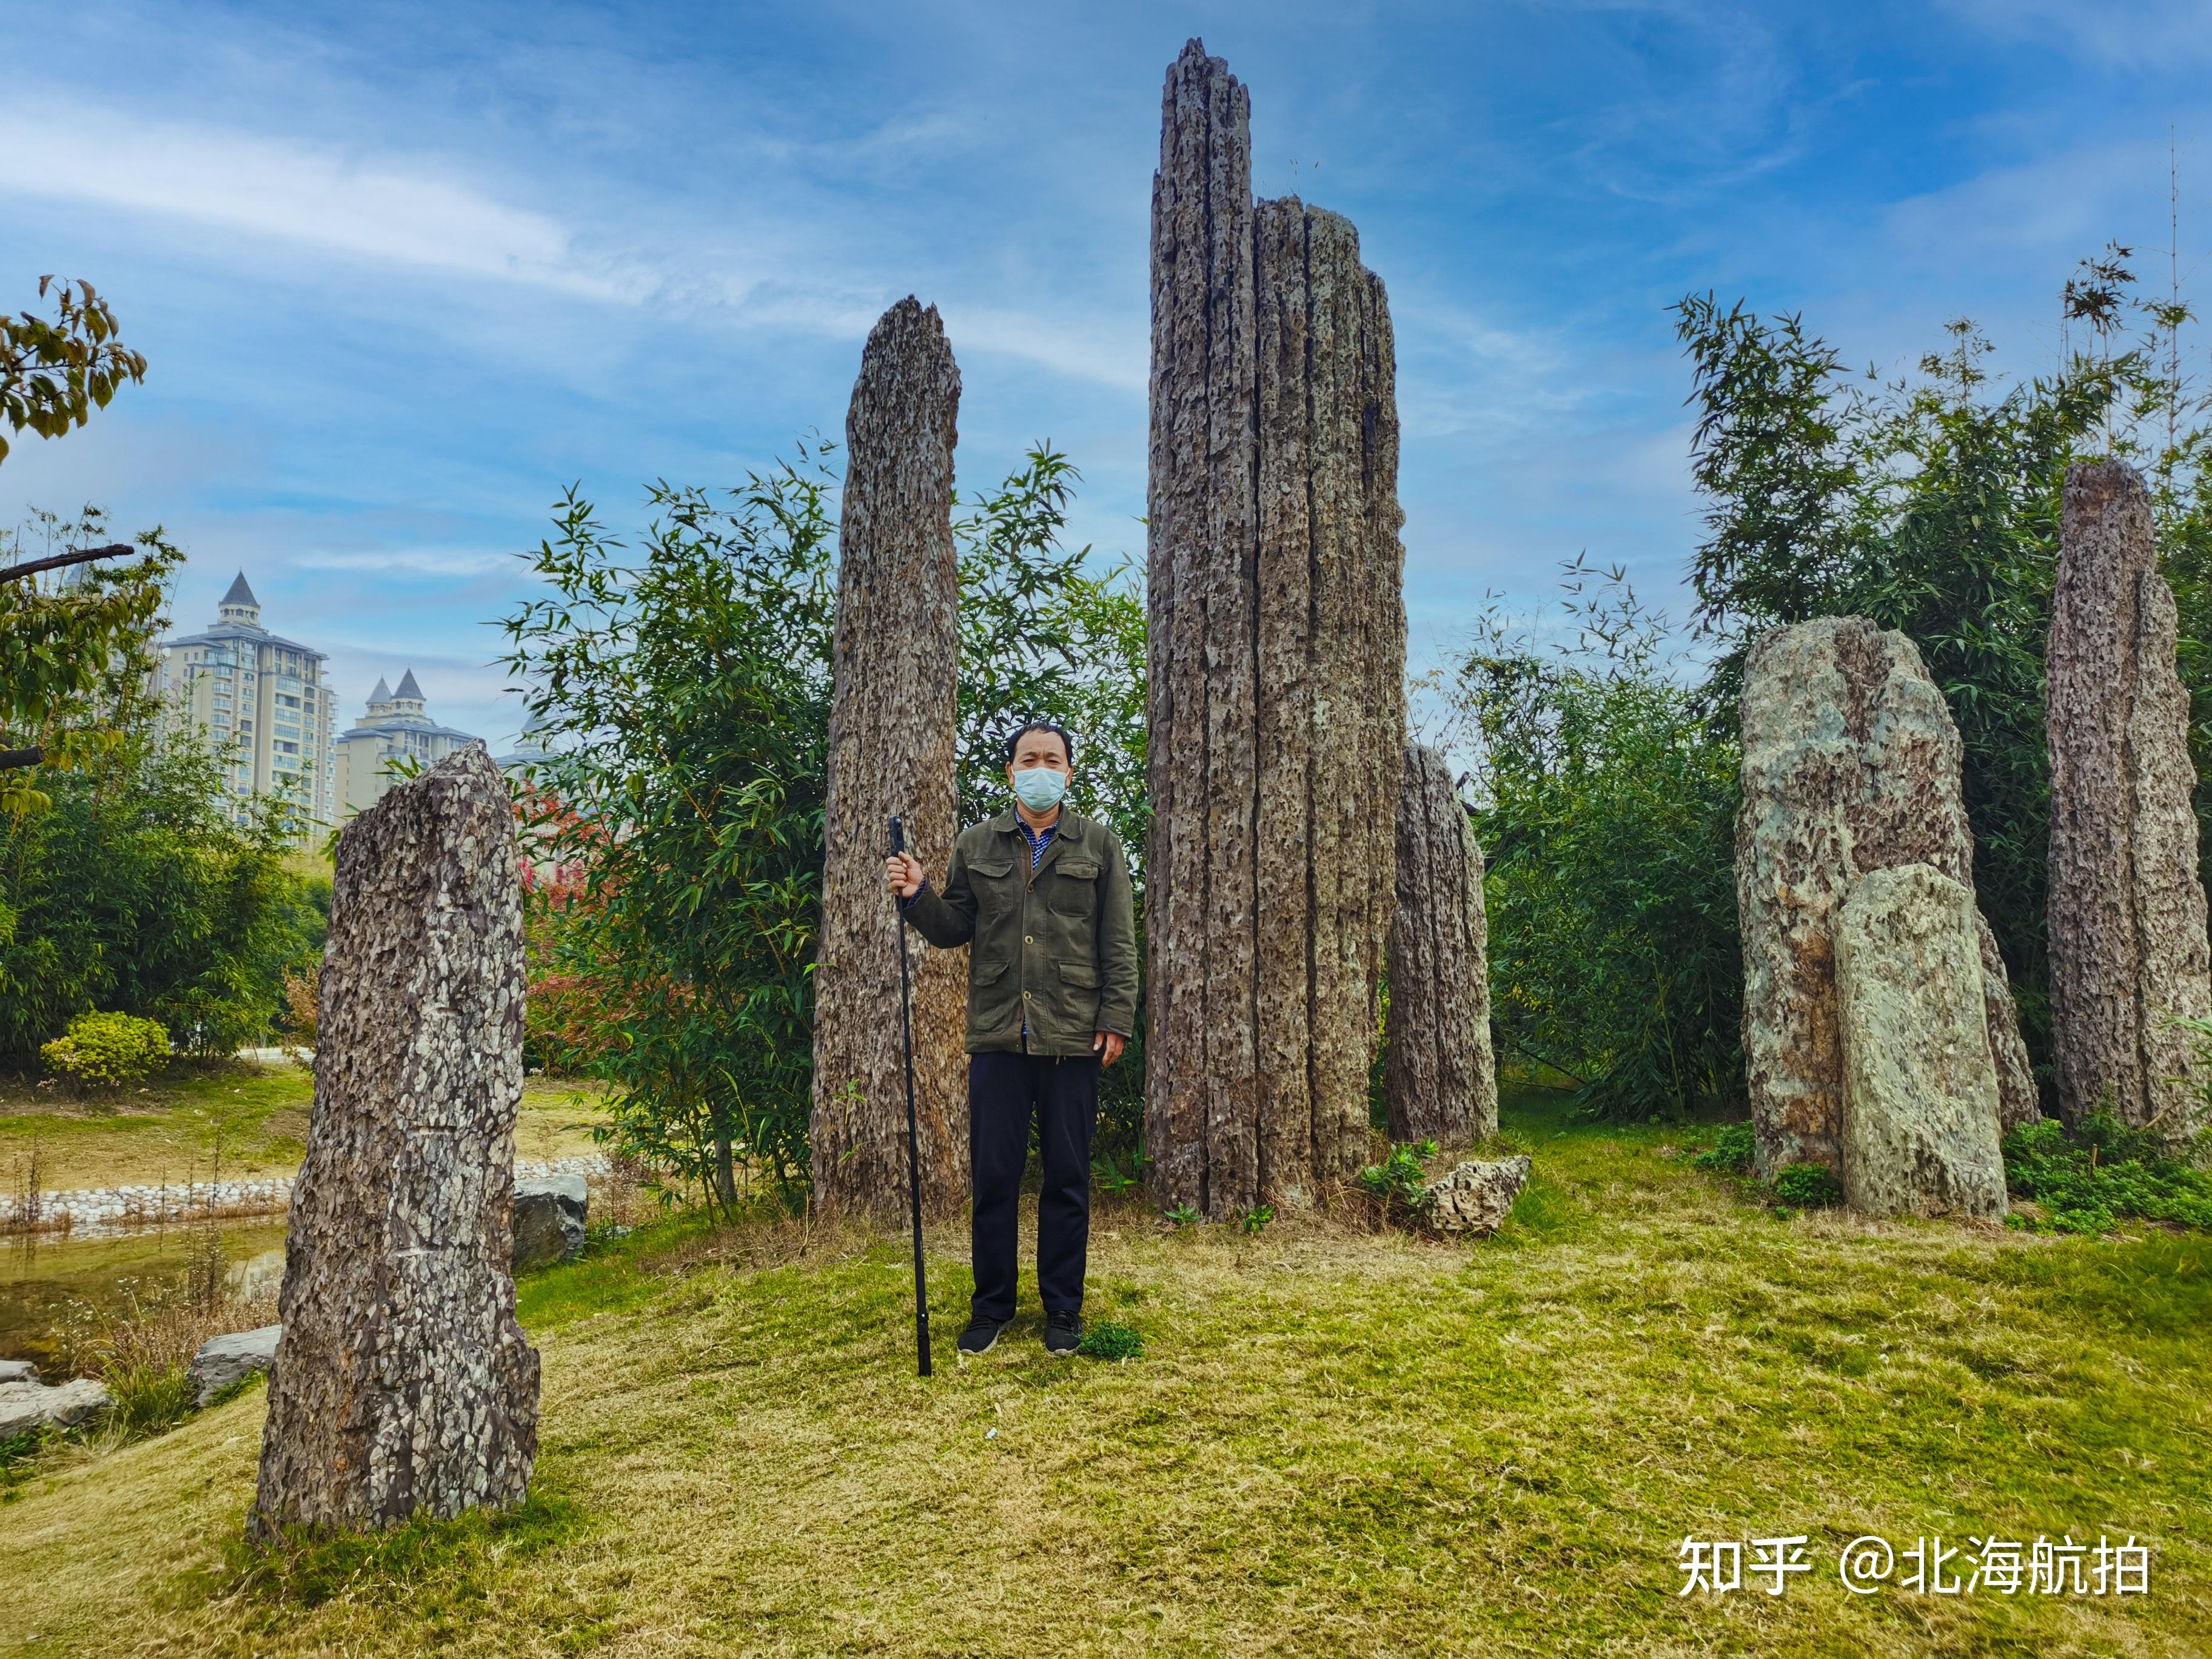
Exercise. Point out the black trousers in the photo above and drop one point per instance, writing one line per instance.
(1003, 1090)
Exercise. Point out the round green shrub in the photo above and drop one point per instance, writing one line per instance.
(1731, 1151)
(1808, 1186)
(106, 1051)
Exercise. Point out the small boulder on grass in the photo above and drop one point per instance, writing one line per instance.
(1477, 1195)
(549, 1216)
(223, 1362)
(28, 1407)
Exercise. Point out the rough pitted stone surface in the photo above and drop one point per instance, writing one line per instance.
(550, 1215)
(2018, 1097)
(403, 1384)
(18, 1370)
(25, 1406)
(891, 740)
(1920, 1128)
(1277, 637)
(1440, 1079)
(2128, 944)
(225, 1360)
(1476, 1196)
(1851, 765)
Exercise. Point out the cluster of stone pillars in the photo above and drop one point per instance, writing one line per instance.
(1880, 1037)
(1302, 853)
(1277, 722)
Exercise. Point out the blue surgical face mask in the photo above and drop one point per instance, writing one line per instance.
(1041, 787)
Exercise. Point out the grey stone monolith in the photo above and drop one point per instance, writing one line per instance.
(1920, 1086)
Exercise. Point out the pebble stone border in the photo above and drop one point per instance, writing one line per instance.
(113, 1212)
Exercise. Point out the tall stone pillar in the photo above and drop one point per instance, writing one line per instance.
(1440, 1077)
(1278, 642)
(402, 1384)
(2127, 943)
(892, 722)
(1850, 764)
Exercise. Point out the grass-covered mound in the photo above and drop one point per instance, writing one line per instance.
(1330, 1443)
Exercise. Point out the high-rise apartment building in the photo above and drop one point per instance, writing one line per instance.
(398, 727)
(262, 700)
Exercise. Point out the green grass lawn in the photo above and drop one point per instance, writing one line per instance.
(1333, 1443)
(170, 1129)
(255, 1116)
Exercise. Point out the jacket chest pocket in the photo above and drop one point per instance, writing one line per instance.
(1074, 887)
(997, 888)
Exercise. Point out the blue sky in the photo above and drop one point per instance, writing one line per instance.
(405, 272)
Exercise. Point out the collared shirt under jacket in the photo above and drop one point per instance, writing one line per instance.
(1055, 945)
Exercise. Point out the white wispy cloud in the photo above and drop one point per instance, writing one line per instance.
(2133, 34)
(455, 563)
(397, 209)
(354, 204)
(1113, 351)
(2069, 200)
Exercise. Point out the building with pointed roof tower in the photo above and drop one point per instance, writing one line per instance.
(262, 701)
(396, 729)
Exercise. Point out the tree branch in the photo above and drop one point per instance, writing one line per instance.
(74, 556)
(10, 759)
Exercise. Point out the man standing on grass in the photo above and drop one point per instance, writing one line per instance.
(1043, 894)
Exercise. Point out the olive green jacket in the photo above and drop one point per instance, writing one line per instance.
(1059, 946)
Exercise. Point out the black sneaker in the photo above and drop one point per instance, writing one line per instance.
(1063, 1333)
(980, 1336)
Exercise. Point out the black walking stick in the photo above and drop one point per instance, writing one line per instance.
(913, 1138)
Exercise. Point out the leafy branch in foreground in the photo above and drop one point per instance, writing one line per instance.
(54, 373)
(75, 650)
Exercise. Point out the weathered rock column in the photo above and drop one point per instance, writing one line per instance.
(1201, 1109)
(1440, 1077)
(1331, 700)
(1920, 1087)
(2128, 943)
(1277, 656)
(1850, 764)
(892, 725)
(403, 1384)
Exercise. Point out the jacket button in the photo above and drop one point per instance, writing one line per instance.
(1029, 939)
(1025, 996)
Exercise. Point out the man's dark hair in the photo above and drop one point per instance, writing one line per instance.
(1014, 738)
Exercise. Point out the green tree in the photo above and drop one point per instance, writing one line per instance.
(1606, 807)
(54, 373)
(125, 888)
(684, 696)
(76, 643)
